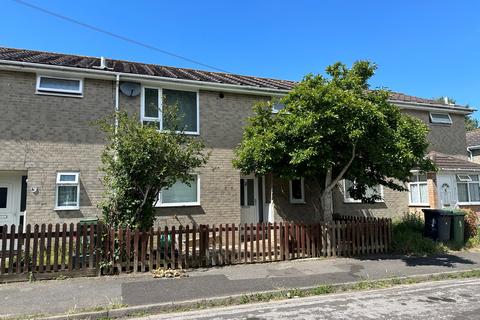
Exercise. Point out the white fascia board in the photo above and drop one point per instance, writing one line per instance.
(111, 75)
(450, 170)
(432, 107)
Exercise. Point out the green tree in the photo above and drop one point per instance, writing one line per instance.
(334, 128)
(138, 162)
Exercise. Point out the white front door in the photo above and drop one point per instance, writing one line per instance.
(447, 190)
(10, 189)
(249, 199)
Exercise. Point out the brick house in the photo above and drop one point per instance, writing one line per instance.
(50, 151)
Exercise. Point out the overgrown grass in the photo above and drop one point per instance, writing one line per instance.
(408, 237)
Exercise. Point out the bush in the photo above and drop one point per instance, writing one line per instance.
(408, 237)
(471, 224)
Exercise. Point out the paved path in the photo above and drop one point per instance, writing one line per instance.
(61, 296)
(454, 299)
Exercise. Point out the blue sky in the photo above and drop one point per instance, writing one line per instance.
(425, 48)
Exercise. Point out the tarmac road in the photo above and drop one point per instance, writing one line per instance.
(452, 299)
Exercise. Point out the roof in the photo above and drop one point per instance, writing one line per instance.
(451, 163)
(86, 62)
(473, 138)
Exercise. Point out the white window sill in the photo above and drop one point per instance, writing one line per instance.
(468, 203)
(298, 202)
(66, 208)
(184, 204)
(419, 205)
(360, 202)
(59, 94)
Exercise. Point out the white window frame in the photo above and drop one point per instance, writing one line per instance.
(53, 91)
(467, 182)
(160, 107)
(159, 203)
(347, 199)
(302, 189)
(440, 122)
(59, 183)
(418, 183)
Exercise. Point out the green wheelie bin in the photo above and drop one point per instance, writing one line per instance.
(458, 227)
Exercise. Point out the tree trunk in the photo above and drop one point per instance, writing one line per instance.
(327, 206)
(326, 198)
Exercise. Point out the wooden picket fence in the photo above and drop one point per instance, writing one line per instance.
(48, 250)
(41, 251)
(207, 246)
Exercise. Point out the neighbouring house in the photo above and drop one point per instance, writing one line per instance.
(50, 150)
(473, 145)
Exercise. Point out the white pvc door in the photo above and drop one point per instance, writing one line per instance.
(447, 190)
(248, 199)
(9, 200)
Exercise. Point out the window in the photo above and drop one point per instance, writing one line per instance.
(185, 101)
(68, 191)
(468, 189)
(418, 190)
(47, 84)
(181, 194)
(297, 191)
(3, 197)
(347, 184)
(277, 106)
(440, 118)
(247, 192)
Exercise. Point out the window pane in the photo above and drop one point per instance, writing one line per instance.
(59, 84)
(3, 197)
(422, 177)
(474, 192)
(473, 177)
(151, 103)
(440, 118)
(423, 193)
(297, 189)
(186, 102)
(181, 192)
(414, 193)
(462, 192)
(67, 196)
(68, 177)
(250, 193)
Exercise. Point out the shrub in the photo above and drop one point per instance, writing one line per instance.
(408, 237)
(471, 224)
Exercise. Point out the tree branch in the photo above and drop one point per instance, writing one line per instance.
(342, 172)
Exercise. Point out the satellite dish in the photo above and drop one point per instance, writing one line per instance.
(130, 89)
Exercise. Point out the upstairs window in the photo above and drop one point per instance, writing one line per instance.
(155, 99)
(418, 190)
(371, 191)
(47, 84)
(297, 191)
(67, 191)
(443, 118)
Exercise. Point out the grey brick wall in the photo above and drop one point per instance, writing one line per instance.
(43, 134)
(445, 138)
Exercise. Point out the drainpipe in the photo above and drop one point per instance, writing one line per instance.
(117, 97)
